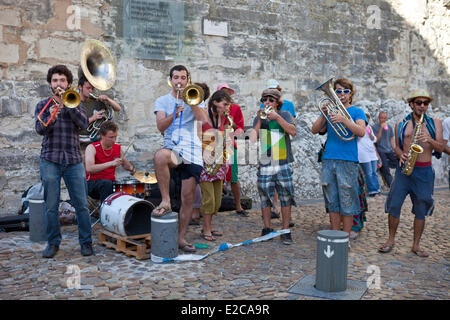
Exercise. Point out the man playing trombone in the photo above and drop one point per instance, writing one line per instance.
(61, 158)
(339, 175)
(182, 149)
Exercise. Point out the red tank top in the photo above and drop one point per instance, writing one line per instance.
(102, 156)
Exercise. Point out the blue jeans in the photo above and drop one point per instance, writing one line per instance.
(75, 179)
(370, 170)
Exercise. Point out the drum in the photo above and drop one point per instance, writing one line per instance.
(131, 186)
(123, 214)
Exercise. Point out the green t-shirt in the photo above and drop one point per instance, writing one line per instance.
(275, 143)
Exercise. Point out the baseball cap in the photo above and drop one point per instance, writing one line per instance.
(224, 85)
(272, 84)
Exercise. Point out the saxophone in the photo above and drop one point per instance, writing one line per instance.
(224, 156)
(414, 149)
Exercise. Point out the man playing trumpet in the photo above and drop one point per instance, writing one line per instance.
(274, 172)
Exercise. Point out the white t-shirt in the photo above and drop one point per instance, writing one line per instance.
(446, 132)
(366, 148)
(183, 139)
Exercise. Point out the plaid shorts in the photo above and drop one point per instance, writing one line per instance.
(279, 178)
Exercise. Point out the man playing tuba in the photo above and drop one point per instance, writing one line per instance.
(339, 175)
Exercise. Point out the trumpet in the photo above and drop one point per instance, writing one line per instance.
(334, 106)
(70, 98)
(265, 111)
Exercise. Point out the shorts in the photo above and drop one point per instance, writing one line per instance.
(419, 185)
(279, 178)
(188, 170)
(340, 186)
(211, 196)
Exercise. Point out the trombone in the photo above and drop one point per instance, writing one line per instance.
(192, 95)
(70, 98)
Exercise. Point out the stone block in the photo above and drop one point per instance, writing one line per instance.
(9, 53)
(56, 48)
(10, 17)
(11, 106)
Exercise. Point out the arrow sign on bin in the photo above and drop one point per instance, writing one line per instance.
(328, 252)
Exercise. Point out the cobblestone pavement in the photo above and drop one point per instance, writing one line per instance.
(259, 271)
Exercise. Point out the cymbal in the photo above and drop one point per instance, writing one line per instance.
(145, 177)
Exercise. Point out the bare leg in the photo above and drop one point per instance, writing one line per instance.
(419, 226)
(266, 216)
(286, 216)
(187, 201)
(393, 225)
(348, 222)
(163, 162)
(335, 220)
(275, 202)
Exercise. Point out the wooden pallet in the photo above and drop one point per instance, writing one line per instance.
(137, 246)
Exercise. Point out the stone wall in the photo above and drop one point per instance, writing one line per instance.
(387, 48)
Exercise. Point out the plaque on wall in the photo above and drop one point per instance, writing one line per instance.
(153, 29)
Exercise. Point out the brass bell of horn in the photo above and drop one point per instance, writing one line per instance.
(98, 65)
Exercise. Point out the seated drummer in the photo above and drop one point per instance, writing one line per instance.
(102, 158)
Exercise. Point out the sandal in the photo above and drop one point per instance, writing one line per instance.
(194, 222)
(421, 253)
(208, 237)
(160, 210)
(215, 233)
(386, 248)
(187, 247)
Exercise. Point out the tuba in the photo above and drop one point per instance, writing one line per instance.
(335, 106)
(97, 64)
(414, 149)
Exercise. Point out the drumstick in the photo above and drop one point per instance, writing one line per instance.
(128, 148)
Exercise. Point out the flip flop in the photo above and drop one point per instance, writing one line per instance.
(421, 253)
(215, 233)
(354, 235)
(386, 248)
(160, 210)
(187, 247)
(208, 237)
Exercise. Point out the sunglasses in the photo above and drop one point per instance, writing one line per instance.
(420, 102)
(345, 91)
(264, 99)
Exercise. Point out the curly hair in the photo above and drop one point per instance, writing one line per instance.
(59, 69)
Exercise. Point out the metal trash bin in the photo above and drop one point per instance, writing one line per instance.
(37, 225)
(332, 261)
(164, 243)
